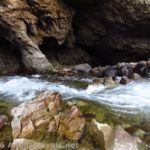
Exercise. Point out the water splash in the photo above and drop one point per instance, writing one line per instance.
(133, 97)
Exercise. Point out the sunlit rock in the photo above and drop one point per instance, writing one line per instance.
(103, 135)
(35, 113)
(44, 113)
(124, 141)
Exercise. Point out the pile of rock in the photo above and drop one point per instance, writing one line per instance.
(129, 70)
(47, 113)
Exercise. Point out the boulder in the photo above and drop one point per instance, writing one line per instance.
(109, 138)
(44, 113)
(124, 80)
(83, 68)
(141, 68)
(136, 76)
(103, 135)
(110, 72)
(35, 113)
(124, 141)
(72, 125)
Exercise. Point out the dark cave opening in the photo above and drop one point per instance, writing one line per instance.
(10, 58)
(81, 4)
(8, 48)
(86, 54)
(62, 54)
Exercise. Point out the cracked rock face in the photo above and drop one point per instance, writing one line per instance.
(26, 22)
(41, 18)
(45, 113)
(117, 30)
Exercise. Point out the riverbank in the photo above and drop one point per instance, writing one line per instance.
(89, 110)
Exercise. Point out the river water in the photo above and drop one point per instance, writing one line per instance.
(126, 105)
(132, 98)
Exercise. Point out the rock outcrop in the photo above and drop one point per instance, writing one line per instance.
(113, 31)
(107, 32)
(25, 24)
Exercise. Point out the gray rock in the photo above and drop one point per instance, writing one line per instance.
(110, 29)
(83, 68)
(124, 140)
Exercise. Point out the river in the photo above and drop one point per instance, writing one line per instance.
(132, 98)
(127, 105)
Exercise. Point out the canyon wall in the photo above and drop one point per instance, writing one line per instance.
(69, 32)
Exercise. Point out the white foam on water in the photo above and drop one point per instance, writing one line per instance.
(133, 96)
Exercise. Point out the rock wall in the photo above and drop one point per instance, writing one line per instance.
(25, 23)
(107, 31)
(115, 30)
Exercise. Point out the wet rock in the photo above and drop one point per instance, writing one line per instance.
(110, 72)
(124, 71)
(122, 64)
(94, 71)
(83, 68)
(35, 113)
(106, 81)
(109, 81)
(98, 70)
(124, 140)
(141, 68)
(136, 76)
(148, 69)
(70, 126)
(124, 80)
(45, 112)
(98, 81)
(16, 126)
(103, 135)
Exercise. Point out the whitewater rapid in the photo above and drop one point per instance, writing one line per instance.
(133, 97)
